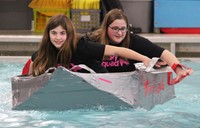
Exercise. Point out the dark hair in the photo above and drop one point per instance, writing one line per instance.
(101, 34)
(48, 56)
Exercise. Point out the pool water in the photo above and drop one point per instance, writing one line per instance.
(180, 112)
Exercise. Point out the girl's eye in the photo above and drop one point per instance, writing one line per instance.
(63, 33)
(53, 32)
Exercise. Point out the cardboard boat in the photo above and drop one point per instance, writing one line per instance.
(65, 90)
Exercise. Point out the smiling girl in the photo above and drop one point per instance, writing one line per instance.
(61, 46)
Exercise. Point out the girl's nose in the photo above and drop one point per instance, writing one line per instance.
(119, 32)
(58, 36)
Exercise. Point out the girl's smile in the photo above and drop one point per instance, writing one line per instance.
(58, 36)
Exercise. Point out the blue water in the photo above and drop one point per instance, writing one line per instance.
(180, 112)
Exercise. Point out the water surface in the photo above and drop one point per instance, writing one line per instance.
(180, 112)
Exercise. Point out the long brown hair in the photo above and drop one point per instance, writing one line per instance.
(101, 35)
(48, 56)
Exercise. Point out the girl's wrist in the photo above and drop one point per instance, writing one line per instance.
(176, 67)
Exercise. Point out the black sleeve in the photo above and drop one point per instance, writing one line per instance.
(34, 55)
(90, 50)
(145, 47)
(90, 54)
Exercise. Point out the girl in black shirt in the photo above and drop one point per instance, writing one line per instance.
(61, 46)
(114, 31)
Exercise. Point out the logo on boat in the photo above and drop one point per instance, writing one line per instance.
(153, 86)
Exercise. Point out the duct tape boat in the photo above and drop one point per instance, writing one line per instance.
(64, 89)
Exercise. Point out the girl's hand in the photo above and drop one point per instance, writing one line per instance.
(181, 72)
(160, 63)
(146, 61)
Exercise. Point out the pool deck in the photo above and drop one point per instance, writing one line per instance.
(173, 42)
(14, 58)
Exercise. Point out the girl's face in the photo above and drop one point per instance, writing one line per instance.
(58, 36)
(117, 31)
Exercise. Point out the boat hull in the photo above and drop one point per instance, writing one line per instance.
(65, 90)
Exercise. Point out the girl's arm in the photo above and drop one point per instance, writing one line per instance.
(171, 60)
(126, 53)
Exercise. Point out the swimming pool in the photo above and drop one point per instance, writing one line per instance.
(180, 112)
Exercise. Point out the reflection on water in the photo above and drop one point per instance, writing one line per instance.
(180, 112)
